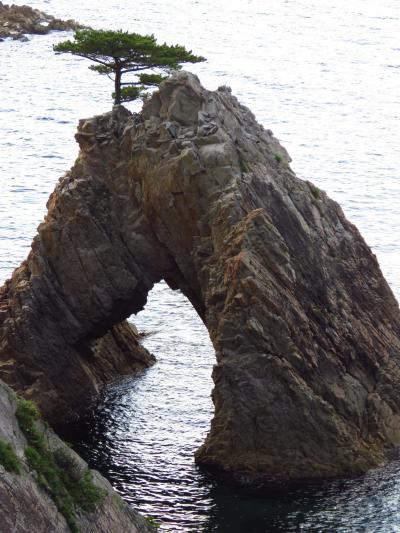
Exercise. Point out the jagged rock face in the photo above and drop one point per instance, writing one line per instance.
(25, 507)
(16, 21)
(195, 192)
(46, 356)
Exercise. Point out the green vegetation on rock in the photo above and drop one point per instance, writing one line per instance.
(57, 471)
(27, 414)
(152, 522)
(119, 52)
(316, 193)
(8, 458)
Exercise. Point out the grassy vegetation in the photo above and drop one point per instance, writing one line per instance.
(27, 414)
(8, 458)
(57, 471)
(278, 158)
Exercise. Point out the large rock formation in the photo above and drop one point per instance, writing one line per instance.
(27, 505)
(193, 191)
(17, 21)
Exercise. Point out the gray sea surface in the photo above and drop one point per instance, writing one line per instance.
(325, 77)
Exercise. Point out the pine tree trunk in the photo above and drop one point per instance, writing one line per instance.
(117, 81)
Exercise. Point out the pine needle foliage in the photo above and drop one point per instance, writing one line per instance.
(117, 53)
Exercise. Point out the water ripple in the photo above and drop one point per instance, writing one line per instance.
(322, 76)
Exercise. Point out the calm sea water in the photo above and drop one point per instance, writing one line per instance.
(325, 77)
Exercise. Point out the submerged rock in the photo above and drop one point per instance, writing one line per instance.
(27, 499)
(17, 21)
(194, 191)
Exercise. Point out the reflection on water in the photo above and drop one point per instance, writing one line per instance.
(144, 430)
(143, 433)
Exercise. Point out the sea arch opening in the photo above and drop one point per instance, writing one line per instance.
(144, 429)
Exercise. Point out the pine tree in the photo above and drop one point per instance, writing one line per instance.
(117, 53)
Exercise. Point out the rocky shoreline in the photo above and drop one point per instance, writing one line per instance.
(45, 486)
(18, 21)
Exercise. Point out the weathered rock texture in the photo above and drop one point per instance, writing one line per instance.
(195, 192)
(17, 21)
(25, 507)
(45, 353)
(59, 367)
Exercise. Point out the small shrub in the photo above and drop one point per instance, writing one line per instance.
(86, 494)
(80, 486)
(278, 158)
(27, 414)
(26, 411)
(8, 458)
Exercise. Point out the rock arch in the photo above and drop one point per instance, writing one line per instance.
(193, 191)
